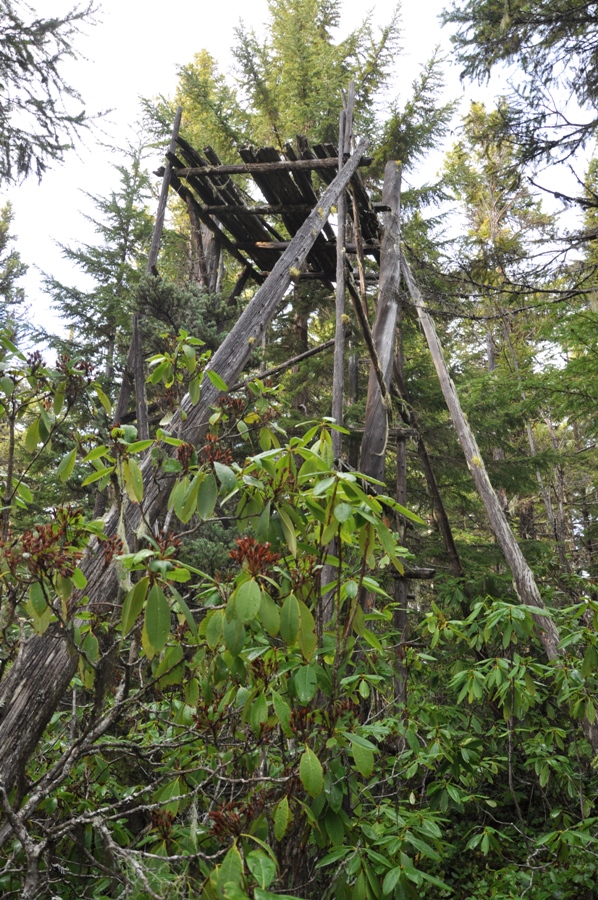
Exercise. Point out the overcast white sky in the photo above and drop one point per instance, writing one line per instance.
(134, 50)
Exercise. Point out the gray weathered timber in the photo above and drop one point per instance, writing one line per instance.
(263, 168)
(523, 577)
(373, 446)
(33, 687)
(162, 202)
(338, 377)
(133, 374)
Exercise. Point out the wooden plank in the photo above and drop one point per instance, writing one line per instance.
(264, 168)
(265, 209)
(282, 245)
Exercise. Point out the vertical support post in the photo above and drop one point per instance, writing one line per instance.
(375, 436)
(400, 621)
(161, 212)
(134, 375)
(338, 378)
(345, 135)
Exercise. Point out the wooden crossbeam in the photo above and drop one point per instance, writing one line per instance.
(262, 168)
(282, 245)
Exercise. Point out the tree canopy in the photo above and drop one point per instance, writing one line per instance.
(41, 113)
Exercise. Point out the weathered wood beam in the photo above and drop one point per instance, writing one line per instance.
(282, 245)
(338, 376)
(373, 446)
(523, 577)
(262, 168)
(133, 375)
(265, 209)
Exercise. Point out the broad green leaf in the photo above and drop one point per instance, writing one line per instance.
(8, 385)
(391, 879)
(172, 667)
(195, 389)
(306, 683)
(363, 759)
(189, 501)
(310, 773)
(343, 512)
(334, 827)
(231, 868)
(95, 476)
(58, 401)
(261, 894)
(269, 614)
(248, 598)
(289, 531)
(96, 453)
(177, 495)
(226, 476)
(360, 741)
(37, 598)
(207, 496)
(133, 480)
(32, 436)
(289, 620)
(282, 817)
(230, 891)
(24, 492)
(139, 446)
(157, 619)
(216, 380)
(67, 464)
(261, 867)
(79, 579)
(214, 630)
(234, 636)
(258, 713)
(134, 603)
(283, 713)
(90, 647)
(103, 398)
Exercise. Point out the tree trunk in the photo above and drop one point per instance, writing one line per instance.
(523, 577)
(31, 690)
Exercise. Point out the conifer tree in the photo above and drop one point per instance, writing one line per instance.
(99, 317)
(12, 269)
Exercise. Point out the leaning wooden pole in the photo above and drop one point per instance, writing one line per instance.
(33, 687)
(523, 577)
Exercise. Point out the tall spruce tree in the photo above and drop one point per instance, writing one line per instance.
(98, 317)
(12, 269)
